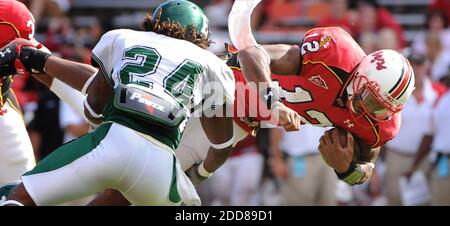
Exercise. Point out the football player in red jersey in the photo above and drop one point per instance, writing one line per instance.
(337, 84)
(16, 152)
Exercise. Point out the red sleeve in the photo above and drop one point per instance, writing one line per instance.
(325, 45)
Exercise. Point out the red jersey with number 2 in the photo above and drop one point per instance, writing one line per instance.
(329, 56)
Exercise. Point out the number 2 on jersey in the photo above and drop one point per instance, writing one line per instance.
(300, 95)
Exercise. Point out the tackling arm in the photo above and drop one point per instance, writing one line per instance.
(72, 73)
(219, 131)
(284, 59)
(98, 93)
(256, 64)
(217, 156)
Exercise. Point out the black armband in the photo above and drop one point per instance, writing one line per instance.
(33, 58)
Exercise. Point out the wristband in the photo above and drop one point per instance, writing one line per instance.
(203, 172)
(223, 145)
(353, 175)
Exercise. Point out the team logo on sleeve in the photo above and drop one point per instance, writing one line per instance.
(318, 81)
(325, 41)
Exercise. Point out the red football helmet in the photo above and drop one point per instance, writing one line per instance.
(19, 24)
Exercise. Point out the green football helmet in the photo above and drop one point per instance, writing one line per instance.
(184, 12)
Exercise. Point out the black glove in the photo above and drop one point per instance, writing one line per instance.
(21, 56)
(194, 176)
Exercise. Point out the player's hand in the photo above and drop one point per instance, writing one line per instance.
(279, 168)
(22, 56)
(336, 156)
(194, 176)
(368, 169)
(287, 118)
(9, 57)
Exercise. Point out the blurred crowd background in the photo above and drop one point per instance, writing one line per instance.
(275, 168)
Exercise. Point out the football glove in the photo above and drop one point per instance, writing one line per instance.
(21, 57)
(358, 173)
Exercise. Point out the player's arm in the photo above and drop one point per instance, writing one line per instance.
(219, 131)
(98, 92)
(342, 159)
(72, 73)
(284, 59)
(256, 65)
(366, 153)
(79, 77)
(366, 158)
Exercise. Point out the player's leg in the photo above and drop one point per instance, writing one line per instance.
(151, 175)
(247, 178)
(75, 170)
(189, 152)
(110, 197)
(16, 154)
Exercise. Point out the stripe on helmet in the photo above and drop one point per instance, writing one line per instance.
(404, 91)
(398, 81)
(404, 81)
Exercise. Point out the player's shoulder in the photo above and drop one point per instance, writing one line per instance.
(332, 46)
(112, 35)
(121, 33)
(213, 61)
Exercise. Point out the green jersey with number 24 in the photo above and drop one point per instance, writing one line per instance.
(169, 67)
